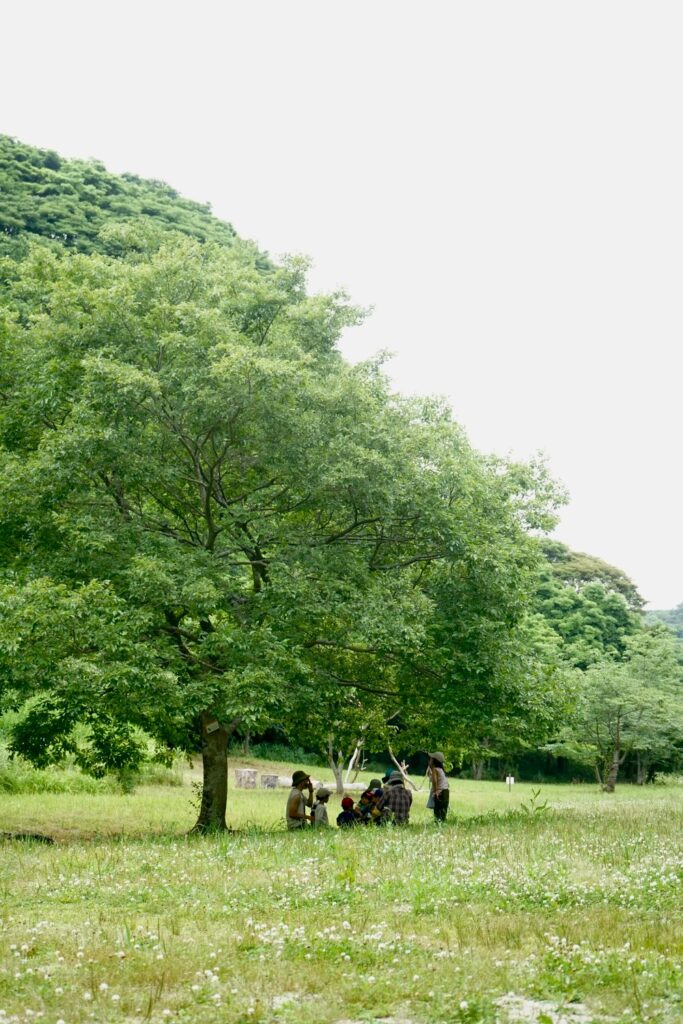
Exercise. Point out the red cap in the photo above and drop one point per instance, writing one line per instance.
(347, 803)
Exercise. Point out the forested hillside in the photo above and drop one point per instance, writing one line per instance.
(71, 200)
(672, 617)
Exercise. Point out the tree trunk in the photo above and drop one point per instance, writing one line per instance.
(477, 769)
(641, 769)
(353, 760)
(402, 769)
(611, 779)
(215, 775)
(335, 764)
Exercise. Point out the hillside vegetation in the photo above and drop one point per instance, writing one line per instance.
(69, 201)
(672, 617)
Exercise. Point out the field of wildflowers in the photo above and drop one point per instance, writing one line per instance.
(567, 916)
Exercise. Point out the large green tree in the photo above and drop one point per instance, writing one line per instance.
(577, 569)
(633, 706)
(592, 621)
(206, 515)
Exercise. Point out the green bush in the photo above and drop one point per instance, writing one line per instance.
(19, 776)
(278, 752)
(155, 774)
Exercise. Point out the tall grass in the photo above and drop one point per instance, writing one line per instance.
(570, 914)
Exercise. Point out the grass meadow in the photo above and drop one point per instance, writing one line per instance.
(568, 915)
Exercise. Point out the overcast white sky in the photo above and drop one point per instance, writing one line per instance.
(503, 181)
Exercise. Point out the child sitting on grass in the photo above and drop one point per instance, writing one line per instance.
(319, 817)
(347, 817)
(378, 815)
(365, 807)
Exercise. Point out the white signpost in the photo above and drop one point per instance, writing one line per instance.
(510, 779)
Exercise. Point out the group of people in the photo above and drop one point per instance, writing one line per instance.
(385, 801)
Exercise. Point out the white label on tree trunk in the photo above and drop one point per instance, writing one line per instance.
(212, 726)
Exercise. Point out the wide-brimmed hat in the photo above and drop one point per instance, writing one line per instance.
(322, 793)
(299, 776)
(395, 777)
(437, 756)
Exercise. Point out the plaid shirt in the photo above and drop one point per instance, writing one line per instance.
(398, 799)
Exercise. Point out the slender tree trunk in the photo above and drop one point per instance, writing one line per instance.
(402, 769)
(245, 745)
(641, 769)
(353, 760)
(214, 738)
(335, 764)
(611, 779)
(617, 758)
(479, 763)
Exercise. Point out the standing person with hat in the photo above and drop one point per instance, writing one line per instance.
(439, 792)
(297, 803)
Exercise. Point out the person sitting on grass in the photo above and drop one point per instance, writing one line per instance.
(347, 817)
(397, 799)
(297, 803)
(319, 817)
(379, 815)
(365, 807)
